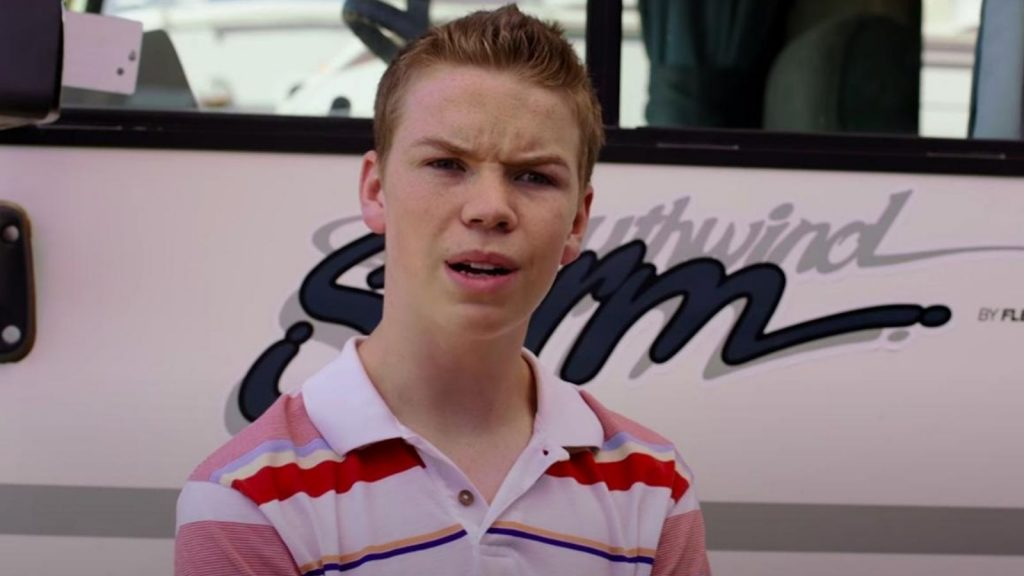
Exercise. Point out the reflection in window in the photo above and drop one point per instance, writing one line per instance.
(865, 66)
(295, 57)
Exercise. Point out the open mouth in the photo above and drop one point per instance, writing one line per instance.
(479, 269)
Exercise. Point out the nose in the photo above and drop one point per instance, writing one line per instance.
(489, 204)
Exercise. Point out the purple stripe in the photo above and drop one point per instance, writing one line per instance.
(573, 546)
(385, 555)
(266, 448)
(621, 438)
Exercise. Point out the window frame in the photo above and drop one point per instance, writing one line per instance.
(191, 130)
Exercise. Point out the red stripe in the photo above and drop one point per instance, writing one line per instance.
(367, 464)
(622, 475)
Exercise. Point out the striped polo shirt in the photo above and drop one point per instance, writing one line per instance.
(328, 481)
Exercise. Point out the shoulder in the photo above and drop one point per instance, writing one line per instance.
(615, 424)
(230, 484)
(285, 428)
(639, 453)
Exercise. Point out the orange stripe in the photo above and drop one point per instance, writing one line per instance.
(576, 539)
(377, 548)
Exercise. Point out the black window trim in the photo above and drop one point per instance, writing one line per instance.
(181, 130)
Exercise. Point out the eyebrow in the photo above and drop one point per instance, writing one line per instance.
(525, 161)
(434, 142)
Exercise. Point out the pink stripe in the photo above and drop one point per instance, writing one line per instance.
(218, 548)
(682, 550)
(615, 423)
(286, 419)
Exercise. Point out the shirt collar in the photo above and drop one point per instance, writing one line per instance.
(563, 417)
(345, 407)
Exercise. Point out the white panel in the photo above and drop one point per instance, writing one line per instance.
(791, 563)
(163, 275)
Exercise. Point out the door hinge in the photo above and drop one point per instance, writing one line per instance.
(17, 288)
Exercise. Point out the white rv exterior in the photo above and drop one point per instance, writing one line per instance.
(162, 276)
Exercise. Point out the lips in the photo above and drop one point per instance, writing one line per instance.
(478, 264)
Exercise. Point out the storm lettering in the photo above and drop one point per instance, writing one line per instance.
(625, 288)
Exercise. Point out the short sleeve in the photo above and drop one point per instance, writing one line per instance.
(220, 531)
(682, 549)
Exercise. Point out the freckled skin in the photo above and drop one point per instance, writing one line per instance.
(480, 161)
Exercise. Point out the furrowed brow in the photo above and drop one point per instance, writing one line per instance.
(525, 161)
(440, 144)
(540, 160)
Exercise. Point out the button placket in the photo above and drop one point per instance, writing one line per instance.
(449, 483)
(534, 461)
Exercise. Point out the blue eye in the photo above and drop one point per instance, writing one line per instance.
(535, 178)
(445, 164)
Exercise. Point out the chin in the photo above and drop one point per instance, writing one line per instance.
(486, 324)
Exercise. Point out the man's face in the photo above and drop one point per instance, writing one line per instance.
(479, 198)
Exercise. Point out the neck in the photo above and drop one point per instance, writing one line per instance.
(443, 384)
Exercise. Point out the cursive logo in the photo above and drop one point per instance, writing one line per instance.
(710, 267)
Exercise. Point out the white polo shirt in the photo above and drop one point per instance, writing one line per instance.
(328, 481)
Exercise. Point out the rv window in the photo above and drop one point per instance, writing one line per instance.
(841, 67)
(850, 66)
(284, 57)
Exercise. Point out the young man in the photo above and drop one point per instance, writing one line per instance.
(437, 445)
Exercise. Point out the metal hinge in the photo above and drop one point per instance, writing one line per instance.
(17, 290)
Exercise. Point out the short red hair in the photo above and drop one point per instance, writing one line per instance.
(504, 39)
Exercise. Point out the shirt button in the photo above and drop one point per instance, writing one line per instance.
(466, 498)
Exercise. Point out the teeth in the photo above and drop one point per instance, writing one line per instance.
(479, 268)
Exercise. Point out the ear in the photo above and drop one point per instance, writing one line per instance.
(371, 192)
(574, 242)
